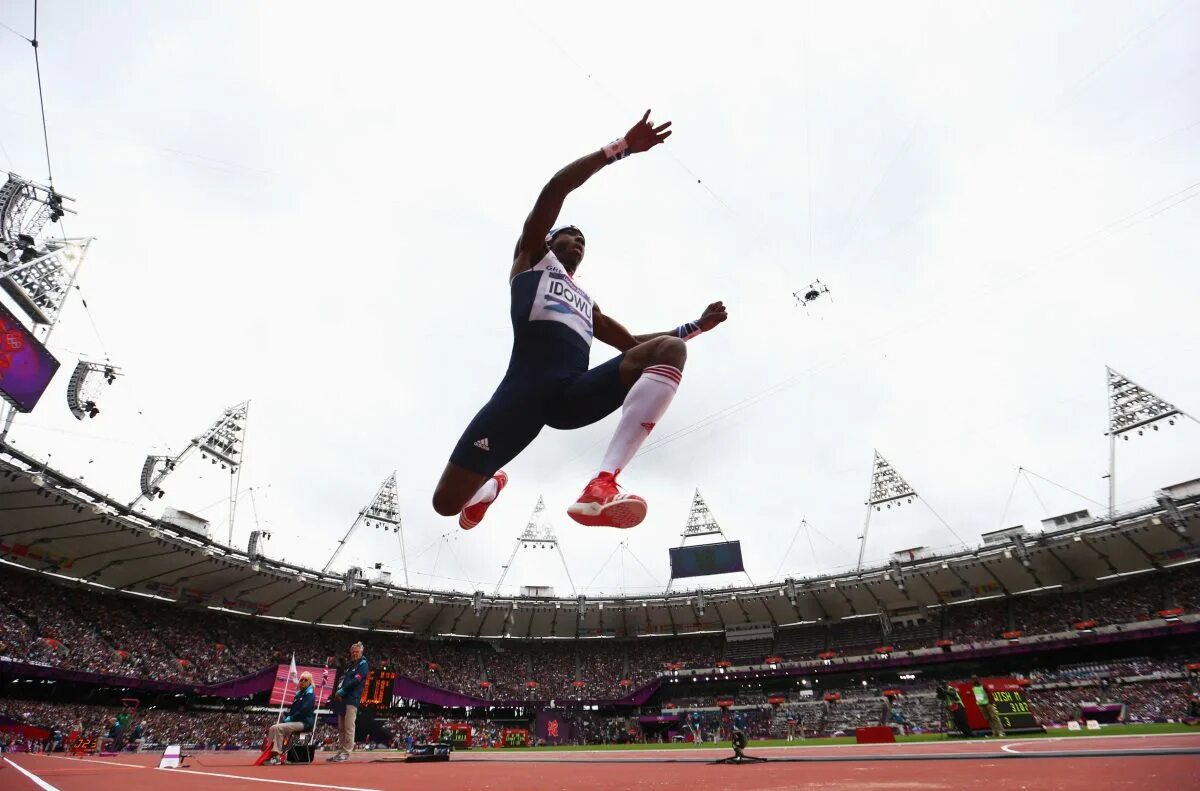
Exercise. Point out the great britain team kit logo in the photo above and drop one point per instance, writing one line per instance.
(562, 296)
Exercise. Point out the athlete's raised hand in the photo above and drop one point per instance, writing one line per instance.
(644, 135)
(713, 315)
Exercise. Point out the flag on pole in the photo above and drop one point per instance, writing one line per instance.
(293, 673)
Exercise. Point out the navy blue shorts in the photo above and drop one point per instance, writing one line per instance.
(519, 409)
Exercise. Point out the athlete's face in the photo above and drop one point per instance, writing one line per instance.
(568, 248)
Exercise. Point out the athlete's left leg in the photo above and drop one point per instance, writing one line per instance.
(654, 369)
(643, 380)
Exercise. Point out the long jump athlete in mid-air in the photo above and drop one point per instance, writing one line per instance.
(548, 382)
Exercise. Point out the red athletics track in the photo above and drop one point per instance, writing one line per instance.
(925, 765)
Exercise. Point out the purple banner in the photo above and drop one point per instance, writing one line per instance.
(243, 687)
(27, 670)
(26, 368)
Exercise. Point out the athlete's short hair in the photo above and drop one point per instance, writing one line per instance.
(554, 232)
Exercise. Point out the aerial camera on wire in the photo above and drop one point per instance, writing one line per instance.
(809, 297)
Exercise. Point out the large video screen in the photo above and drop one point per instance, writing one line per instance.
(323, 682)
(704, 559)
(26, 368)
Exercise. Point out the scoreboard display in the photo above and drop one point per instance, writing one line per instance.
(377, 690)
(1013, 710)
(455, 734)
(514, 737)
(1011, 705)
(705, 559)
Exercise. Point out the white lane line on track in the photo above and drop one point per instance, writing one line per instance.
(267, 780)
(1008, 749)
(41, 783)
(207, 774)
(93, 761)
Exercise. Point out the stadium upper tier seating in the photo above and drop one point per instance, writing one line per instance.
(83, 628)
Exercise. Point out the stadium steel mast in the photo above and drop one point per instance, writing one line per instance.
(887, 487)
(223, 443)
(382, 512)
(1131, 407)
(535, 536)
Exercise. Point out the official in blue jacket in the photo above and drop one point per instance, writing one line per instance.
(300, 718)
(345, 701)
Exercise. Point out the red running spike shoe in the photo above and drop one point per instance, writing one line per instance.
(602, 504)
(473, 514)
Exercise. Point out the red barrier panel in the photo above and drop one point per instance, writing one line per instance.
(879, 734)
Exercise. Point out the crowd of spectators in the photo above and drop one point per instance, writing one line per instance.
(1128, 601)
(83, 628)
(1150, 689)
(1148, 701)
(202, 729)
(1136, 667)
(976, 623)
(1045, 613)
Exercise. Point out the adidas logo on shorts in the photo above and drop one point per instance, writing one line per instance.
(482, 444)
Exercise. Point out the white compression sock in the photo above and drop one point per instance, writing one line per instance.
(486, 493)
(645, 405)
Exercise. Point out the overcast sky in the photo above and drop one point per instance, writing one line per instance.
(312, 206)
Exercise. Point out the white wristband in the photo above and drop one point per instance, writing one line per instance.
(617, 149)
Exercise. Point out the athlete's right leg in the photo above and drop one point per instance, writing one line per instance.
(651, 371)
(498, 433)
(456, 488)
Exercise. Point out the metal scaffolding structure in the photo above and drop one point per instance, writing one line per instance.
(888, 487)
(222, 443)
(382, 513)
(1131, 408)
(536, 535)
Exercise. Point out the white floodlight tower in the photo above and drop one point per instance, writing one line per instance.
(887, 487)
(535, 536)
(383, 512)
(700, 521)
(36, 271)
(223, 443)
(1131, 407)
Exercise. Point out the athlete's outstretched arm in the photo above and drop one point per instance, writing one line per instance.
(532, 246)
(608, 330)
(549, 203)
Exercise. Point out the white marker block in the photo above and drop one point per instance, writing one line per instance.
(171, 758)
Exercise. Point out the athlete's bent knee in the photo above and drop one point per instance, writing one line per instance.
(671, 351)
(445, 503)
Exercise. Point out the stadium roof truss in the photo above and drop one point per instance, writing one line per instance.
(52, 523)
